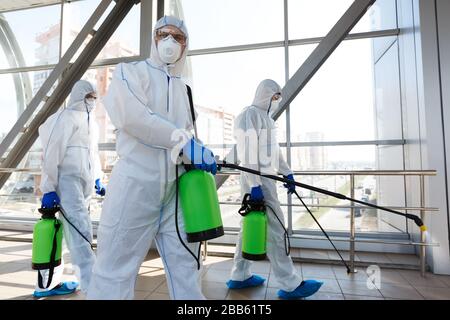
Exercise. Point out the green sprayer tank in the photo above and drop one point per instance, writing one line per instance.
(254, 229)
(47, 241)
(254, 235)
(200, 204)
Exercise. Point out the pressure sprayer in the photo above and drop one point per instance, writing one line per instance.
(47, 242)
(200, 205)
(254, 229)
(416, 219)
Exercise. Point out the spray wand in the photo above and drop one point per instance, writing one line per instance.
(416, 219)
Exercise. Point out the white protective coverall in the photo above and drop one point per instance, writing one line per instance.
(257, 148)
(147, 102)
(70, 166)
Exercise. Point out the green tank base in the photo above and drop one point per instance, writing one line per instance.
(254, 257)
(42, 266)
(205, 235)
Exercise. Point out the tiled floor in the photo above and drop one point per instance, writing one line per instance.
(17, 279)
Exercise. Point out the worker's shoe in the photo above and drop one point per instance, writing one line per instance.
(61, 289)
(305, 289)
(253, 281)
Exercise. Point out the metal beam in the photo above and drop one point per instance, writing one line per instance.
(322, 52)
(160, 9)
(255, 46)
(61, 67)
(15, 59)
(72, 75)
(315, 60)
(146, 28)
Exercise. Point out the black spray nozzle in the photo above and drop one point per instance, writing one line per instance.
(249, 205)
(417, 221)
(49, 213)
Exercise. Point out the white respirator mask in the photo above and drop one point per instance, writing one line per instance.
(169, 50)
(90, 104)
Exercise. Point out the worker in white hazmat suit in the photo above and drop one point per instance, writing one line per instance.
(258, 149)
(70, 171)
(148, 104)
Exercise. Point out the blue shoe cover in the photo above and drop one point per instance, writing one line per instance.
(64, 288)
(305, 289)
(253, 281)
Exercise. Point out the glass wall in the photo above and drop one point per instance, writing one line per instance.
(337, 122)
(333, 121)
(33, 42)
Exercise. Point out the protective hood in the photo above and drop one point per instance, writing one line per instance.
(264, 93)
(176, 68)
(79, 92)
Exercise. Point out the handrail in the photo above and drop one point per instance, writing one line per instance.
(352, 174)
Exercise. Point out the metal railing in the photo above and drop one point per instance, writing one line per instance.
(422, 244)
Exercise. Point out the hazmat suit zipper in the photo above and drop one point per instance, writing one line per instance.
(89, 137)
(165, 151)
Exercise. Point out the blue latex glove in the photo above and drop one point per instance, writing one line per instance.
(256, 194)
(201, 157)
(50, 200)
(290, 186)
(99, 188)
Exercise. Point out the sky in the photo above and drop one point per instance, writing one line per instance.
(338, 101)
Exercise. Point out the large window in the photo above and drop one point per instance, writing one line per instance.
(333, 121)
(33, 40)
(348, 117)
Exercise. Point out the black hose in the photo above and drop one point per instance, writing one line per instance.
(416, 219)
(324, 232)
(76, 229)
(287, 242)
(197, 259)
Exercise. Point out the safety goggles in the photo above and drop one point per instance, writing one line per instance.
(277, 97)
(91, 96)
(164, 33)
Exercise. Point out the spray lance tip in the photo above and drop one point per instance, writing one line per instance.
(418, 222)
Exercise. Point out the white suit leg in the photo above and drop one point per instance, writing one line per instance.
(183, 278)
(241, 267)
(128, 225)
(75, 198)
(282, 266)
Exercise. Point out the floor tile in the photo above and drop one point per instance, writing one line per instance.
(430, 280)
(329, 286)
(391, 276)
(326, 296)
(158, 296)
(255, 293)
(317, 270)
(149, 283)
(341, 274)
(214, 290)
(399, 291)
(353, 297)
(141, 295)
(434, 293)
(358, 288)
